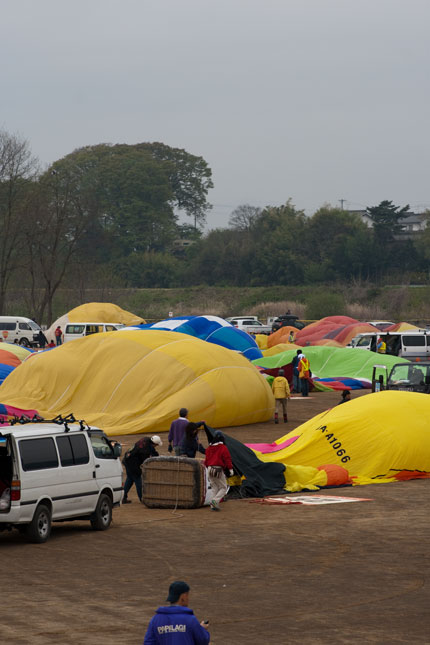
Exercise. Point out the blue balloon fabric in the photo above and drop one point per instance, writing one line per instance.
(211, 329)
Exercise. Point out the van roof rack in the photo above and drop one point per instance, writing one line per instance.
(59, 420)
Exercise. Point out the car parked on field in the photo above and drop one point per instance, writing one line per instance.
(251, 325)
(80, 329)
(20, 330)
(57, 471)
(406, 344)
(287, 320)
(409, 377)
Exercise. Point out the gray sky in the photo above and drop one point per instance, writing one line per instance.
(316, 100)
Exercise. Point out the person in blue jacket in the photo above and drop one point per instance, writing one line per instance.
(176, 624)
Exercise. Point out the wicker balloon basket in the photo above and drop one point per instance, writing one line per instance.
(173, 482)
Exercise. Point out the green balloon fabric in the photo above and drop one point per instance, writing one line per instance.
(334, 362)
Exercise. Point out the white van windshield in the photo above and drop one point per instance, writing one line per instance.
(364, 341)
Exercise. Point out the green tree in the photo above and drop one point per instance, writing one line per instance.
(131, 197)
(387, 220)
(338, 245)
(150, 270)
(190, 179)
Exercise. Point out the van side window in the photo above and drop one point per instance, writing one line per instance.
(93, 329)
(37, 454)
(414, 341)
(110, 328)
(80, 449)
(65, 450)
(101, 447)
(74, 329)
(73, 450)
(7, 326)
(24, 326)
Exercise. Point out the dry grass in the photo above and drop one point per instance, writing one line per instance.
(278, 308)
(365, 312)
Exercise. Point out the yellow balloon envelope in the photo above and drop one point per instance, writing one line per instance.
(378, 437)
(136, 381)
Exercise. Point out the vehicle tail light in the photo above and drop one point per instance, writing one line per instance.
(15, 490)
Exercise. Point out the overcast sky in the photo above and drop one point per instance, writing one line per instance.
(313, 100)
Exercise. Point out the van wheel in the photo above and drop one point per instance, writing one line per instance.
(103, 514)
(24, 342)
(39, 529)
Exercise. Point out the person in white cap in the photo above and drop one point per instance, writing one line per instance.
(133, 459)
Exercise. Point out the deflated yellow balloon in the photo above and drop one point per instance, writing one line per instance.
(378, 437)
(136, 381)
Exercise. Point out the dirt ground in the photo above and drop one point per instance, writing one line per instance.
(344, 573)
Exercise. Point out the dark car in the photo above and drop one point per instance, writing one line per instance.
(407, 376)
(287, 320)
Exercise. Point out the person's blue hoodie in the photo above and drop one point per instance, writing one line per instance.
(175, 625)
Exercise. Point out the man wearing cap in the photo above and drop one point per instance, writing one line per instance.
(177, 431)
(176, 623)
(133, 459)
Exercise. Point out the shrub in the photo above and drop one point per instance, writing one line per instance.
(325, 304)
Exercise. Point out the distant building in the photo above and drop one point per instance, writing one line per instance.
(412, 224)
(180, 245)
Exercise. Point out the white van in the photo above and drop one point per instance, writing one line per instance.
(80, 329)
(57, 472)
(407, 344)
(17, 329)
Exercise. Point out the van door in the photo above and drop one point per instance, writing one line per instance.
(6, 474)
(78, 492)
(414, 345)
(9, 331)
(73, 331)
(40, 473)
(108, 467)
(93, 329)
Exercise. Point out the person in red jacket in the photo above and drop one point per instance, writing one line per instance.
(218, 461)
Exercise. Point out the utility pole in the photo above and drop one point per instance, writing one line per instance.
(341, 202)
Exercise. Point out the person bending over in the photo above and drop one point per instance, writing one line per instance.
(133, 460)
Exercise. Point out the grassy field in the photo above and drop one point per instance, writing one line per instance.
(364, 302)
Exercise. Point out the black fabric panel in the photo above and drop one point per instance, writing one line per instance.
(261, 478)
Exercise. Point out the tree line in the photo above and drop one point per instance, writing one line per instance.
(109, 215)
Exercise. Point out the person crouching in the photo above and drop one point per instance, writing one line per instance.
(218, 460)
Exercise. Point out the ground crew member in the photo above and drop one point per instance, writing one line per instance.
(281, 392)
(177, 431)
(133, 459)
(218, 462)
(381, 346)
(304, 374)
(295, 366)
(176, 623)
